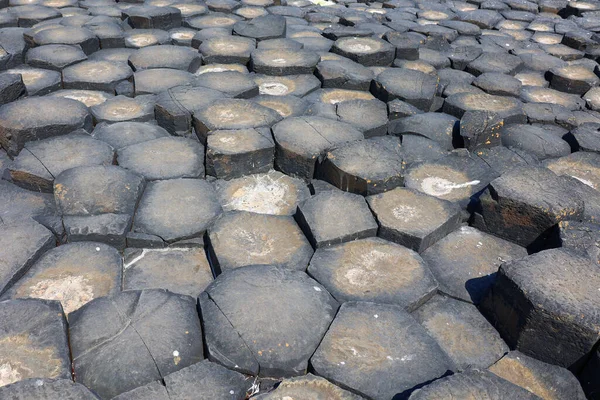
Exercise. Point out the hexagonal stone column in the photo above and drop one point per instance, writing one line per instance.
(235, 153)
(38, 118)
(374, 270)
(174, 107)
(177, 209)
(545, 380)
(61, 275)
(458, 177)
(272, 193)
(524, 203)
(465, 262)
(165, 56)
(365, 167)
(97, 202)
(123, 134)
(544, 305)
(149, 17)
(240, 238)
(33, 342)
(462, 332)
(303, 141)
(378, 351)
(325, 218)
(154, 332)
(413, 87)
(476, 384)
(413, 219)
(235, 334)
(232, 114)
(96, 75)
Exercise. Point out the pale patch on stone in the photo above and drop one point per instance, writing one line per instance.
(72, 291)
(264, 195)
(405, 213)
(280, 61)
(273, 89)
(9, 374)
(258, 246)
(142, 40)
(585, 181)
(359, 47)
(28, 76)
(436, 186)
(86, 98)
(182, 35)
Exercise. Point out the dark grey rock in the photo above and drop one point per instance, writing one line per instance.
(177, 209)
(547, 297)
(322, 218)
(38, 118)
(241, 238)
(33, 343)
(61, 275)
(154, 332)
(378, 351)
(306, 308)
(462, 332)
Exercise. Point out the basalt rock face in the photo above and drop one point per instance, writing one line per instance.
(307, 199)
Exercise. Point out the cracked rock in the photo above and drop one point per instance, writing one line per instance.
(61, 275)
(235, 331)
(378, 351)
(153, 332)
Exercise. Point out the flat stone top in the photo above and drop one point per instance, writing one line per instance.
(561, 280)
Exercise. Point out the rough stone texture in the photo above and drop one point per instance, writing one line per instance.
(47, 389)
(36, 167)
(322, 218)
(176, 209)
(205, 381)
(525, 202)
(73, 274)
(38, 118)
(33, 343)
(545, 380)
(475, 384)
(21, 244)
(548, 298)
(97, 190)
(374, 270)
(235, 331)
(308, 387)
(164, 158)
(241, 238)
(462, 332)
(272, 193)
(466, 261)
(413, 219)
(153, 332)
(181, 270)
(378, 351)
